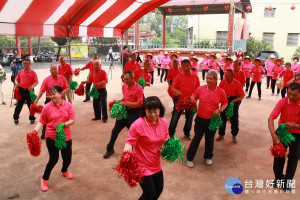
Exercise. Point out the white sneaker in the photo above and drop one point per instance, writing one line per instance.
(208, 161)
(190, 164)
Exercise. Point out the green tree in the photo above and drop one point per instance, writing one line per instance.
(7, 42)
(255, 46)
(60, 41)
(103, 50)
(297, 53)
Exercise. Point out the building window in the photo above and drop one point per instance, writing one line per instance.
(292, 39)
(222, 36)
(269, 13)
(269, 37)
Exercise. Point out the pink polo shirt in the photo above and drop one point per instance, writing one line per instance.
(276, 71)
(214, 65)
(52, 115)
(97, 77)
(195, 68)
(165, 63)
(296, 68)
(232, 89)
(240, 76)
(289, 112)
(228, 67)
(65, 70)
(90, 66)
(50, 81)
(159, 58)
(287, 76)
(270, 65)
(257, 72)
(132, 66)
(186, 84)
(26, 79)
(180, 60)
(133, 94)
(147, 138)
(222, 63)
(246, 68)
(210, 100)
(142, 73)
(205, 63)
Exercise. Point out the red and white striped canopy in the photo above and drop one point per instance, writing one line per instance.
(72, 18)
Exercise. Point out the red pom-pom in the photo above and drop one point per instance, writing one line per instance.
(35, 109)
(185, 103)
(129, 169)
(278, 150)
(17, 94)
(34, 143)
(76, 72)
(111, 104)
(80, 90)
(171, 93)
(67, 74)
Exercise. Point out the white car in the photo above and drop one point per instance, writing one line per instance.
(116, 56)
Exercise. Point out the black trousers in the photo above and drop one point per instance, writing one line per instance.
(66, 155)
(124, 61)
(221, 74)
(133, 114)
(201, 128)
(247, 84)
(24, 97)
(164, 72)
(175, 118)
(269, 78)
(152, 186)
(273, 83)
(234, 120)
(158, 69)
(87, 90)
(110, 57)
(258, 88)
(152, 78)
(44, 127)
(293, 157)
(203, 73)
(100, 104)
(283, 91)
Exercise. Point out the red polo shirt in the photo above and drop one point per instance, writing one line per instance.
(232, 89)
(240, 76)
(276, 71)
(133, 94)
(246, 68)
(97, 77)
(26, 79)
(89, 66)
(289, 112)
(65, 70)
(257, 72)
(209, 100)
(142, 73)
(173, 73)
(287, 76)
(50, 81)
(186, 84)
(132, 66)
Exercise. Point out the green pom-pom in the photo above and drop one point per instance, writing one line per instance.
(195, 110)
(118, 111)
(60, 140)
(94, 93)
(229, 111)
(172, 150)
(285, 135)
(215, 123)
(142, 82)
(73, 85)
(32, 96)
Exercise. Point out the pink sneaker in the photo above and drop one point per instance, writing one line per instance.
(44, 185)
(67, 174)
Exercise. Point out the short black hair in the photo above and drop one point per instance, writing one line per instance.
(125, 47)
(294, 86)
(288, 63)
(238, 62)
(56, 88)
(26, 59)
(296, 59)
(186, 61)
(153, 102)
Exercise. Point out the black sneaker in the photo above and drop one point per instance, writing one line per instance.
(16, 121)
(86, 100)
(188, 137)
(32, 121)
(104, 120)
(95, 119)
(42, 137)
(108, 154)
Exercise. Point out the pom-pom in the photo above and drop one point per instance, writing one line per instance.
(278, 150)
(171, 93)
(118, 111)
(215, 123)
(94, 93)
(142, 82)
(60, 140)
(76, 72)
(67, 74)
(285, 135)
(229, 111)
(73, 85)
(34, 143)
(17, 94)
(172, 150)
(80, 90)
(32, 96)
(111, 104)
(195, 110)
(35, 109)
(129, 169)
(186, 103)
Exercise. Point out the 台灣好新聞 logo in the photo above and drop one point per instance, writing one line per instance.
(233, 185)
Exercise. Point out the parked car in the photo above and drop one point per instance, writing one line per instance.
(6, 58)
(264, 55)
(116, 56)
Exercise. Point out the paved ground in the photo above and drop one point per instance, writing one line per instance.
(248, 160)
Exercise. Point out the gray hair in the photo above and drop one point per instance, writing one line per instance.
(213, 73)
(176, 61)
(130, 73)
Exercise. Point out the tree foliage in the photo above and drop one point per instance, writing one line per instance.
(255, 46)
(7, 42)
(297, 53)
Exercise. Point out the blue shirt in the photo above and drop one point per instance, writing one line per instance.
(16, 69)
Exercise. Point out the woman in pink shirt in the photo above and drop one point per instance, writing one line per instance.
(195, 65)
(145, 137)
(270, 64)
(159, 59)
(214, 64)
(296, 67)
(288, 77)
(246, 67)
(165, 66)
(276, 71)
(257, 72)
(204, 66)
(222, 64)
(55, 112)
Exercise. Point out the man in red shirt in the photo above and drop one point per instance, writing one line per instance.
(65, 70)
(173, 72)
(132, 65)
(288, 77)
(235, 93)
(89, 66)
(144, 73)
(183, 86)
(53, 80)
(26, 80)
(289, 110)
(239, 74)
(99, 79)
(125, 55)
(133, 100)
